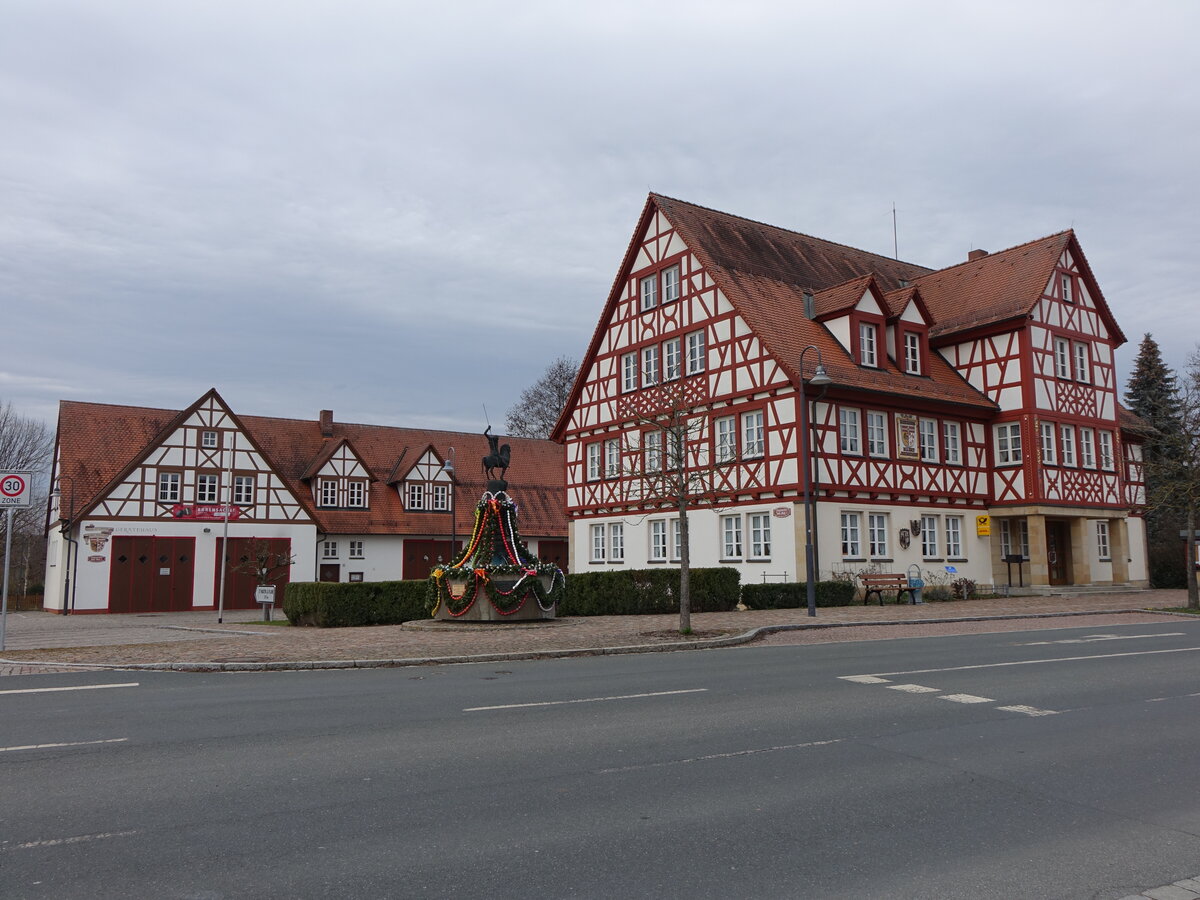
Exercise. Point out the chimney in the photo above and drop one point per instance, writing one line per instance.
(326, 423)
(976, 254)
(809, 312)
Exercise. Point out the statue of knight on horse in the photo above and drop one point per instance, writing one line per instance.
(497, 458)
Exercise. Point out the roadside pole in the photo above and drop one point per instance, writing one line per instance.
(14, 494)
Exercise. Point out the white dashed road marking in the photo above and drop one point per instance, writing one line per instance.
(78, 687)
(965, 698)
(735, 753)
(864, 679)
(1092, 638)
(914, 689)
(585, 700)
(65, 744)
(1029, 710)
(78, 839)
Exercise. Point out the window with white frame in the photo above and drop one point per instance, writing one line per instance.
(416, 496)
(848, 430)
(672, 359)
(616, 542)
(1062, 358)
(356, 493)
(867, 355)
(329, 550)
(650, 365)
(208, 439)
(1067, 294)
(356, 549)
(206, 488)
(1083, 362)
(752, 433)
(927, 434)
(649, 289)
(612, 458)
(760, 535)
(952, 442)
(629, 372)
(441, 497)
(1102, 548)
(652, 451)
(877, 434)
(593, 462)
(676, 540)
(929, 537)
(1014, 538)
(852, 535)
(658, 540)
(1106, 450)
(329, 491)
(1008, 443)
(598, 544)
(912, 353)
(1068, 445)
(243, 490)
(877, 539)
(731, 537)
(695, 352)
(725, 439)
(1087, 448)
(670, 284)
(954, 525)
(168, 487)
(1049, 447)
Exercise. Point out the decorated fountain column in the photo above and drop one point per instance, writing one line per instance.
(496, 578)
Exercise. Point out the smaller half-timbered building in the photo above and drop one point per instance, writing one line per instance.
(144, 502)
(971, 428)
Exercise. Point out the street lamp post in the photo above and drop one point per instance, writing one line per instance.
(448, 468)
(72, 543)
(822, 380)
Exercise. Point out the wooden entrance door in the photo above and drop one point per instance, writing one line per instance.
(151, 574)
(421, 556)
(1058, 552)
(553, 552)
(330, 572)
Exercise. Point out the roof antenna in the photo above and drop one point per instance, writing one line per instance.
(895, 239)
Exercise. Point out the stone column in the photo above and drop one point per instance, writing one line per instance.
(1081, 535)
(1118, 548)
(1039, 565)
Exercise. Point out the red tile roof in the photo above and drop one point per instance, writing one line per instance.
(98, 443)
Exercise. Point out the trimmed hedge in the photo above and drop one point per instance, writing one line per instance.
(328, 604)
(793, 595)
(648, 591)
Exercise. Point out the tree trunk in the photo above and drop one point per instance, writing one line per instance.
(1193, 601)
(685, 571)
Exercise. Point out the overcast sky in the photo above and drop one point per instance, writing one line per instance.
(403, 212)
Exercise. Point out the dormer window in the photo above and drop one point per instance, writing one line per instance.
(441, 497)
(867, 353)
(356, 494)
(329, 492)
(416, 496)
(912, 353)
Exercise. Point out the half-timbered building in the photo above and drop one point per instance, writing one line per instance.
(145, 501)
(971, 429)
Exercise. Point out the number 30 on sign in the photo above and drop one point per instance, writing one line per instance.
(14, 489)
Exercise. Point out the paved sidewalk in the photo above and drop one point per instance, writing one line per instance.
(195, 641)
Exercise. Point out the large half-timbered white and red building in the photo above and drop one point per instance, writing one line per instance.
(143, 499)
(972, 416)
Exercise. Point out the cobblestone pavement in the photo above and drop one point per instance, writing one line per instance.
(37, 640)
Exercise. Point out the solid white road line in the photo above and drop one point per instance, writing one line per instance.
(78, 839)
(965, 698)
(1092, 638)
(678, 762)
(914, 689)
(1036, 662)
(585, 700)
(78, 687)
(67, 744)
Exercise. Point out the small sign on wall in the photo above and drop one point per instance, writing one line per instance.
(906, 437)
(983, 526)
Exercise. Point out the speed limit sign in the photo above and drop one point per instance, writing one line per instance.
(15, 490)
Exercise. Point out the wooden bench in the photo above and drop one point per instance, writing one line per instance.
(877, 584)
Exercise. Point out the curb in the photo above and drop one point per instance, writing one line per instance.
(709, 644)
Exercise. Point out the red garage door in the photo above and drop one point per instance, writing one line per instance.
(553, 552)
(151, 574)
(240, 585)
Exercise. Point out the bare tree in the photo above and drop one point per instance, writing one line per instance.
(668, 467)
(537, 412)
(25, 446)
(266, 564)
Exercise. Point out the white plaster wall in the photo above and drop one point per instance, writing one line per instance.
(382, 558)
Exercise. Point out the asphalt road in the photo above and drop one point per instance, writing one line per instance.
(1045, 764)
